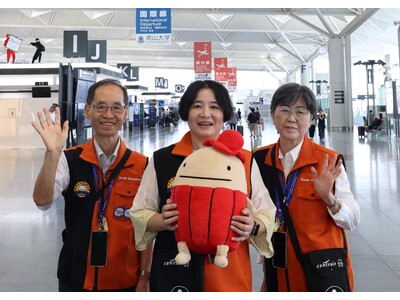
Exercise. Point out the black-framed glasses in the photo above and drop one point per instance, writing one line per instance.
(102, 108)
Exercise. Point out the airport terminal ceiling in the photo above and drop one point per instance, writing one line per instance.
(267, 39)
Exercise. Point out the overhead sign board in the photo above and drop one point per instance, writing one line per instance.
(153, 25)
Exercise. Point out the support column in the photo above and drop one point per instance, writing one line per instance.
(305, 73)
(289, 78)
(349, 88)
(337, 103)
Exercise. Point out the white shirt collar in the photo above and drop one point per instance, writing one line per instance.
(105, 162)
(290, 158)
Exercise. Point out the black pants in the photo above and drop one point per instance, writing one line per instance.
(233, 126)
(38, 54)
(321, 131)
(64, 287)
(311, 131)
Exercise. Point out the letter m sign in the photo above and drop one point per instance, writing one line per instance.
(161, 82)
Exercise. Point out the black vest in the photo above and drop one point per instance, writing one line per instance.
(79, 207)
(166, 276)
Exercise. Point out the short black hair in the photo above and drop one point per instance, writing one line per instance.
(102, 82)
(289, 93)
(220, 92)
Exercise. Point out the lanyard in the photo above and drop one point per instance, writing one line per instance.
(102, 201)
(287, 191)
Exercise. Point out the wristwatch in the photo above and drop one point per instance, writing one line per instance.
(255, 229)
(144, 273)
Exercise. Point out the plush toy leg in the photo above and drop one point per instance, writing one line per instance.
(183, 257)
(221, 258)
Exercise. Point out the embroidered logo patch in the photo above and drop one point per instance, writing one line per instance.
(169, 185)
(82, 189)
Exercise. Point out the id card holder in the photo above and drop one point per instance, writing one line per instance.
(279, 242)
(98, 248)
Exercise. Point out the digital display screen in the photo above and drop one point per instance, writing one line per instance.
(82, 89)
(41, 92)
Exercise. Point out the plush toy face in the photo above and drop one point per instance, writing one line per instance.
(209, 167)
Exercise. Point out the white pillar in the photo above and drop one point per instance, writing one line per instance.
(289, 78)
(349, 89)
(305, 73)
(337, 100)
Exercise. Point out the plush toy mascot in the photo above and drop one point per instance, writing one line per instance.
(209, 188)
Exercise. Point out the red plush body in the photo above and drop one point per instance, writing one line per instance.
(205, 216)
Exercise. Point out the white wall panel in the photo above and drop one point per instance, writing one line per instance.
(16, 115)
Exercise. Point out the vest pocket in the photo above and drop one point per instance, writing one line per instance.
(125, 192)
(308, 208)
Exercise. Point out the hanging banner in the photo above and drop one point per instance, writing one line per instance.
(220, 69)
(153, 25)
(232, 77)
(202, 60)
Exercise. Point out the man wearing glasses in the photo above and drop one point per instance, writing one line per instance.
(98, 181)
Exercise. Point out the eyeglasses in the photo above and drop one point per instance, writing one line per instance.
(102, 108)
(299, 112)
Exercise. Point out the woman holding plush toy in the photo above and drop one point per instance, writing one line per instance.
(205, 105)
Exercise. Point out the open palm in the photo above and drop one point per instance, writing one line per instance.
(53, 135)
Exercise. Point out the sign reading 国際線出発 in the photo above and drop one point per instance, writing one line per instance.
(153, 25)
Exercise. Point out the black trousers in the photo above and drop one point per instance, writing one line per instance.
(38, 54)
(321, 131)
(311, 131)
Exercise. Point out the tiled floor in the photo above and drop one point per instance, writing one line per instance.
(30, 239)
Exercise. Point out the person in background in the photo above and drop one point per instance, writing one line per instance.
(314, 182)
(98, 252)
(39, 49)
(10, 53)
(162, 118)
(257, 112)
(311, 130)
(375, 123)
(205, 105)
(52, 111)
(239, 115)
(321, 116)
(234, 119)
(253, 123)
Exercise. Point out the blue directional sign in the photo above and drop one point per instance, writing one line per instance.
(153, 25)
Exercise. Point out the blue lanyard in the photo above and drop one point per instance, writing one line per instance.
(287, 191)
(102, 208)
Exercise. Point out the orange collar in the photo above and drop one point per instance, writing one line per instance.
(184, 147)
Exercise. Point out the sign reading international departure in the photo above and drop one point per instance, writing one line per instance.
(202, 60)
(153, 25)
